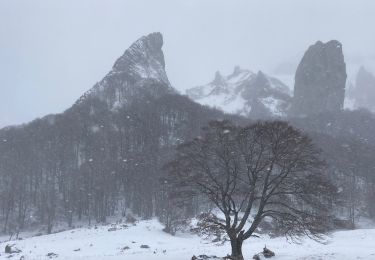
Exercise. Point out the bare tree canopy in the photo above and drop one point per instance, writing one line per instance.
(264, 170)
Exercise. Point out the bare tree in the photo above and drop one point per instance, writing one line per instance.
(267, 169)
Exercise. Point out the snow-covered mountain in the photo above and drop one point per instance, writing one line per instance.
(243, 92)
(139, 72)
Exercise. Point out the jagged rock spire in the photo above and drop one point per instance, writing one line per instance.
(320, 80)
(144, 59)
(140, 71)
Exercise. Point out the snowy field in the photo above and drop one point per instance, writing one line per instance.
(125, 243)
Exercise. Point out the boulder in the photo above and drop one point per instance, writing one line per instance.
(206, 257)
(52, 255)
(268, 253)
(12, 249)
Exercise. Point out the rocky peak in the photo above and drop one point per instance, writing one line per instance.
(264, 85)
(261, 78)
(139, 72)
(236, 71)
(363, 91)
(320, 80)
(219, 79)
(364, 76)
(257, 86)
(144, 59)
(243, 92)
(219, 83)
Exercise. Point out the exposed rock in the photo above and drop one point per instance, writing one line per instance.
(52, 255)
(246, 93)
(112, 229)
(320, 80)
(8, 249)
(220, 85)
(143, 59)
(206, 257)
(362, 93)
(145, 246)
(267, 96)
(268, 253)
(139, 72)
(12, 249)
(256, 257)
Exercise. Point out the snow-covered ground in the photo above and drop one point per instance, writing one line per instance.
(125, 243)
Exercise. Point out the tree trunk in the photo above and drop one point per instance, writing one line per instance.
(236, 245)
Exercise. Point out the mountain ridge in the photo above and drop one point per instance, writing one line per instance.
(243, 92)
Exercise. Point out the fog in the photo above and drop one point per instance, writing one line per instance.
(53, 51)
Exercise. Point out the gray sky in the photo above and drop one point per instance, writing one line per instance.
(53, 51)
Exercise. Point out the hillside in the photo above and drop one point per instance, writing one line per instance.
(104, 154)
(98, 242)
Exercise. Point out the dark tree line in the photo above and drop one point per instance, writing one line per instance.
(91, 162)
(348, 143)
(352, 166)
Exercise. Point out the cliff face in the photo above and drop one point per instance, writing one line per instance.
(320, 80)
(138, 73)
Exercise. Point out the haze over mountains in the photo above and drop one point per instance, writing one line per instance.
(319, 86)
(104, 155)
(48, 65)
(174, 129)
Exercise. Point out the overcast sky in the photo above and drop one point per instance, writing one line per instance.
(53, 51)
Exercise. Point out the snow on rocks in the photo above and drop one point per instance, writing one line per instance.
(140, 70)
(245, 93)
(12, 249)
